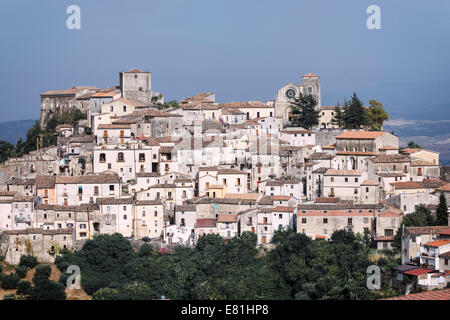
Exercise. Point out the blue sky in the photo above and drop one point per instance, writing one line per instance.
(240, 50)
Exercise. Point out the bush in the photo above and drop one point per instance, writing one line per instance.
(145, 250)
(28, 261)
(11, 296)
(1, 268)
(43, 271)
(21, 271)
(24, 288)
(45, 289)
(10, 281)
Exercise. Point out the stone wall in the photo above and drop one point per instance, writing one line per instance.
(327, 136)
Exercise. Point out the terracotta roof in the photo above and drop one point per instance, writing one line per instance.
(281, 198)
(445, 255)
(433, 183)
(91, 179)
(320, 237)
(283, 209)
(426, 295)
(321, 156)
(390, 174)
(360, 135)
(156, 202)
(274, 183)
(414, 150)
(39, 231)
(329, 146)
(226, 217)
(388, 158)
(387, 148)
(107, 201)
(147, 174)
(186, 207)
(135, 70)
(327, 200)
(425, 230)
(67, 92)
(334, 172)
(297, 132)
(113, 126)
(389, 214)
(437, 243)
(42, 206)
(445, 187)
(417, 163)
(205, 223)
(369, 183)
(383, 238)
(230, 171)
(109, 94)
(407, 185)
(446, 232)
(245, 105)
(310, 75)
(252, 196)
(417, 272)
(45, 182)
(355, 153)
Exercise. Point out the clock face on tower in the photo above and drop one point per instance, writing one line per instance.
(290, 94)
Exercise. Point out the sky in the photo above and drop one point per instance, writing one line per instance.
(239, 49)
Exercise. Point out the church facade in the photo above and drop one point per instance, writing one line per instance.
(309, 85)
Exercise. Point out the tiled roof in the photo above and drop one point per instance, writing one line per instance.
(91, 179)
(283, 209)
(356, 153)
(445, 187)
(433, 183)
(334, 172)
(186, 207)
(281, 198)
(245, 105)
(310, 75)
(423, 163)
(321, 156)
(136, 70)
(327, 200)
(383, 238)
(414, 150)
(107, 201)
(230, 171)
(387, 148)
(388, 158)
(274, 183)
(445, 232)
(39, 231)
(205, 223)
(407, 185)
(369, 183)
(147, 174)
(226, 217)
(425, 230)
(445, 255)
(437, 243)
(426, 295)
(45, 182)
(417, 271)
(360, 135)
(42, 206)
(156, 202)
(113, 126)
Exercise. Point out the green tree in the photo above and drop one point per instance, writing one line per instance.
(24, 288)
(414, 145)
(376, 115)
(355, 113)
(28, 261)
(421, 217)
(304, 111)
(442, 211)
(338, 117)
(6, 150)
(10, 281)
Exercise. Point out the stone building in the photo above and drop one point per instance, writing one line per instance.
(309, 85)
(137, 85)
(41, 243)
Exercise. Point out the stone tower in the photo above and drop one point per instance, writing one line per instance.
(310, 85)
(136, 85)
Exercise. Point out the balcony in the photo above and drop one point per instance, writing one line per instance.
(19, 219)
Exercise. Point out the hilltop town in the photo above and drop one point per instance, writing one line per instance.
(168, 173)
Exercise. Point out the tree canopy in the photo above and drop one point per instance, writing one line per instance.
(298, 268)
(304, 112)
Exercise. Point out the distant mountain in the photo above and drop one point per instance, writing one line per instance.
(11, 131)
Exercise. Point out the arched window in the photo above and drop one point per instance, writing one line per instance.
(120, 157)
(102, 157)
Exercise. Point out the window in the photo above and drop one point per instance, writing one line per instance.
(238, 181)
(124, 217)
(355, 191)
(80, 190)
(120, 157)
(367, 189)
(346, 179)
(141, 156)
(349, 221)
(124, 108)
(356, 179)
(111, 187)
(366, 220)
(325, 220)
(102, 157)
(303, 220)
(332, 179)
(124, 208)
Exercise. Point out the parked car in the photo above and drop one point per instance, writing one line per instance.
(146, 239)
